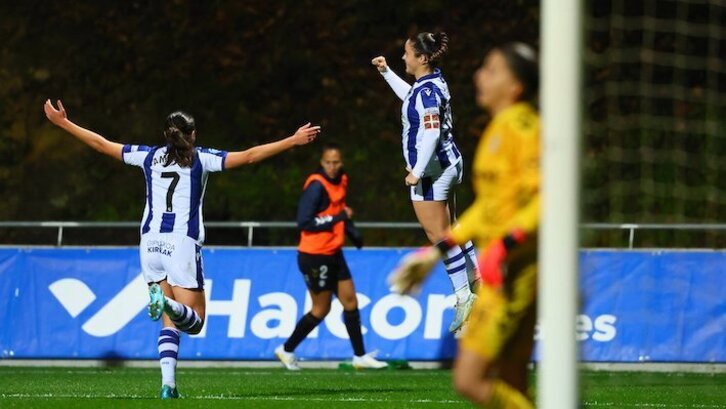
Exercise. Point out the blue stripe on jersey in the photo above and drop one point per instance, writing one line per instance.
(216, 152)
(427, 186)
(224, 160)
(147, 173)
(196, 197)
(139, 148)
(428, 96)
(413, 121)
(440, 150)
(200, 270)
(443, 157)
(167, 222)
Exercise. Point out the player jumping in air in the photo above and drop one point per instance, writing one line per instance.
(324, 219)
(433, 161)
(491, 365)
(172, 230)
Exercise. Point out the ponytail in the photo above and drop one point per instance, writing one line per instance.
(179, 139)
(433, 46)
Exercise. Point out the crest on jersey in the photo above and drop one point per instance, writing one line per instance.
(431, 121)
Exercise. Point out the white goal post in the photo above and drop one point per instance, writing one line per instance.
(561, 64)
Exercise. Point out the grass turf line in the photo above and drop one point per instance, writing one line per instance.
(60, 388)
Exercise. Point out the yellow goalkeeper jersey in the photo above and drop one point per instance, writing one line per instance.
(506, 178)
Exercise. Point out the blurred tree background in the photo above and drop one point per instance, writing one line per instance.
(253, 71)
(250, 72)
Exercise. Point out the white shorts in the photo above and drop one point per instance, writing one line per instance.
(171, 257)
(437, 187)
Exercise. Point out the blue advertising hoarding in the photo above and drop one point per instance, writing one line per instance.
(90, 304)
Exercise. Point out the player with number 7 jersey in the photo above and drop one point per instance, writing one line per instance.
(172, 227)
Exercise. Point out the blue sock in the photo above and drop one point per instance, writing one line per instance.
(455, 264)
(168, 352)
(186, 319)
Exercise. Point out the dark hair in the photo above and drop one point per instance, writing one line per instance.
(179, 142)
(433, 46)
(522, 61)
(331, 146)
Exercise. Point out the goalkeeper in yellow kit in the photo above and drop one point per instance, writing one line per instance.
(491, 365)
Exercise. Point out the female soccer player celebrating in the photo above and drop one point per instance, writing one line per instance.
(433, 162)
(491, 366)
(172, 232)
(324, 219)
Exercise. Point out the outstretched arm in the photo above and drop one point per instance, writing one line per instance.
(59, 118)
(398, 85)
(304, 135)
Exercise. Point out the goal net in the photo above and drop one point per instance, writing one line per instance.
(654, 118)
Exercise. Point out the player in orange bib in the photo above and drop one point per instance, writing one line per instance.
(324, 220)
(491, 365)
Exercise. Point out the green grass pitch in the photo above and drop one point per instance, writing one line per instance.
(60, 388)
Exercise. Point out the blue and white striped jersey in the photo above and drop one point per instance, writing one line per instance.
(426, 113)
(174, 195)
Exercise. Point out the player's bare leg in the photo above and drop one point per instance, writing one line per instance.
(435, 220)
(472, 258)
(183, 310)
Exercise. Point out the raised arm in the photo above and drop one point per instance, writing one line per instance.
(59, 118)
(397, 84)
(304, 135)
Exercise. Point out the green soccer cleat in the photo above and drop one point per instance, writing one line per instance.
(462, 311)
(167, 392)
(156, 302)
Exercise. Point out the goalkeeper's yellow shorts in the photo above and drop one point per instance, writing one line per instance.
(502, 321)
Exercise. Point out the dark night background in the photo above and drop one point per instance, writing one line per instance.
(252, 72)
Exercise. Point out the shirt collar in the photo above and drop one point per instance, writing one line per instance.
(435, 74)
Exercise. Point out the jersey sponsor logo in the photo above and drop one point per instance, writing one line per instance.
(160, 246)
(75, 297)
(601, 328)
(431, 121)
(278, 311)
(320, 220)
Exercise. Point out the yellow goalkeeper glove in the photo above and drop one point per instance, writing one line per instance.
(413, 270)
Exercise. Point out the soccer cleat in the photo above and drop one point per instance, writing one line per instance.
(167, 392)
(288, 359)
(462, 311)
(368, 361)
(156, 302)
